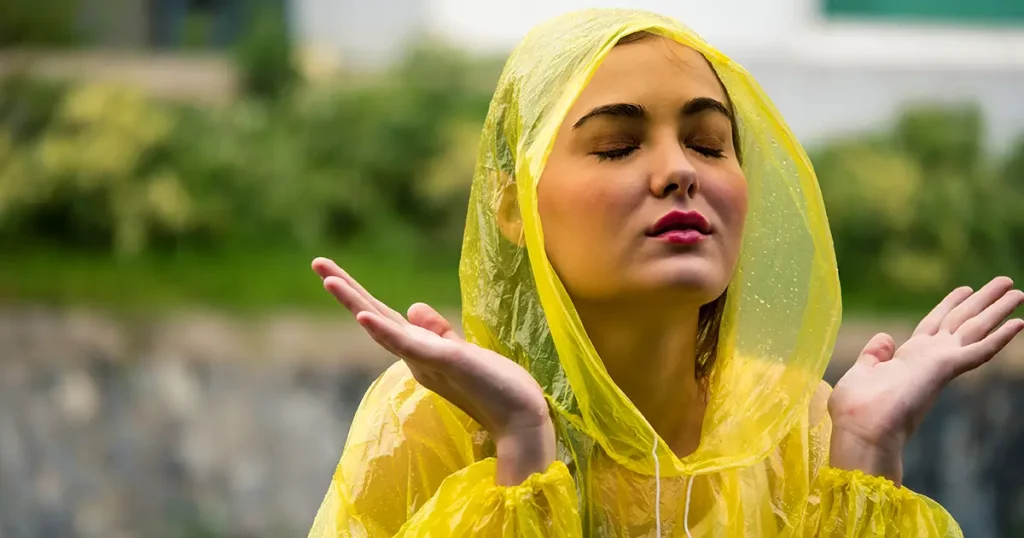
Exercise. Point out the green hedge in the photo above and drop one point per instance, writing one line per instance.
(921, 208)
(108, 168)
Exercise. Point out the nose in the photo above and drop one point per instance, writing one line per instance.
(673, 172)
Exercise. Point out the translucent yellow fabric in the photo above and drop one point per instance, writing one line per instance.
(416, 466)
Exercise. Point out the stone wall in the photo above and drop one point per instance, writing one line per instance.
(198, 425)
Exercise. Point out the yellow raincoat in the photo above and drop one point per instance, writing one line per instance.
(414, 465)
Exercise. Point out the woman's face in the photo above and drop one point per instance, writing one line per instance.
(643, 194)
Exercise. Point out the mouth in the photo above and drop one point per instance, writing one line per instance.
(681, 227)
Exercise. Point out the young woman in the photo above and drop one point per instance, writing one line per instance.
(650, 298)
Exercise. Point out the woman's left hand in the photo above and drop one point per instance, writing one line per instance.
(882, 399)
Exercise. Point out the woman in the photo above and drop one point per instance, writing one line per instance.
(650, 299)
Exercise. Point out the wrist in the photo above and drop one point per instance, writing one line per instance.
(524, 451)
(850, 452)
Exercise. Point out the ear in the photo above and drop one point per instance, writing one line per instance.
(510, 221)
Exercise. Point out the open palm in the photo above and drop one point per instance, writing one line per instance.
(495, 391)
(883, 398)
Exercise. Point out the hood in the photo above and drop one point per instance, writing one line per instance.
(783, 307)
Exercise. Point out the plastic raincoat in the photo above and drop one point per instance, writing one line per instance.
(414, 465)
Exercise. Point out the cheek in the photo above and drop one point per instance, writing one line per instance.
(585, 216)
(728, 196)
(581, 207)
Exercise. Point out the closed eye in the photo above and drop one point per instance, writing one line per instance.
(614, 154)
(707, 151)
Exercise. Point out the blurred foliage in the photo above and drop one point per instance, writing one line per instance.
(922, 208)
(319, 166)
(197, 30)
(38, 22)
(382, 165)
(89, 172)
(264, 53)
(377, 166)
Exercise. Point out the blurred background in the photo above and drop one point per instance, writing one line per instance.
(170, 367)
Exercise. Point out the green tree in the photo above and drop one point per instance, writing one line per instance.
(264, 54)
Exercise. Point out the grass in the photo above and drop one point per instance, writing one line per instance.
(263, 280)
(241, 281)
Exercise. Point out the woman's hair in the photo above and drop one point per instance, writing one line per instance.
(709, 326)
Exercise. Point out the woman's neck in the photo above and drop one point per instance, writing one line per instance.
(651, 356)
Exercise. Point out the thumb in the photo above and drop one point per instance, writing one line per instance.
(423, 315)
(880, 348)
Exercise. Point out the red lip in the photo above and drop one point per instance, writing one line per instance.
(681, 227)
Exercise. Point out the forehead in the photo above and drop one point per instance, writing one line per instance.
(652, 71)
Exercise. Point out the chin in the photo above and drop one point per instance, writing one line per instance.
(692, 280)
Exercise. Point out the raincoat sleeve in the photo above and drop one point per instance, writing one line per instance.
(413, 466)
(854, 504)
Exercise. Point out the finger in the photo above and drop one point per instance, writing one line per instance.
(981, 352)
(879, 349)
(347, 296)
(930, 324)
(369, 321)
(325, 267)
(397, 340)
(423, 315)
(976, 303)
(984, 323)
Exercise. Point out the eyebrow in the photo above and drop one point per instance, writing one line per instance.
(630, 110)
(622, 110)
(700, 104)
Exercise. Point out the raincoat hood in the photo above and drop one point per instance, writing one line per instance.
(783, 306)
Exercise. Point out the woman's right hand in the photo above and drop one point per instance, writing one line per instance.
(493, 390)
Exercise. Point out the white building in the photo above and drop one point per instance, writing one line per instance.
(831, 66)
